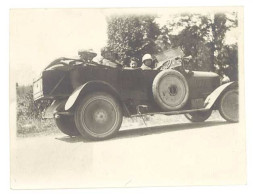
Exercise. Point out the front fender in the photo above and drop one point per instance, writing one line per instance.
(213, 97)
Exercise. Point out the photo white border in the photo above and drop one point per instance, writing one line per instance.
(5, 164)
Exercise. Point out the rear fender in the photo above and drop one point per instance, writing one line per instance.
(73, 97)
(217, 93)
(93, 86)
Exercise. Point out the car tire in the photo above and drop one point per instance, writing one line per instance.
(229, 105)
(199, 116)
(170, 90)
(98, 116)
(67, 125)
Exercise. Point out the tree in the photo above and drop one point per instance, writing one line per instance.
(219, 26)
(202, 36)
(133, 36)
(163, 42)
(229, 56)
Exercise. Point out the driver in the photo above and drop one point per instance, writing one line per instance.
(147, 62)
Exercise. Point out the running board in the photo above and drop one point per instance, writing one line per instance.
(57, 114)
(172, 112)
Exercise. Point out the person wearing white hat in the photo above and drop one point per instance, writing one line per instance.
(147, 62)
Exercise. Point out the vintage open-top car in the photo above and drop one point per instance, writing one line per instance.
(90, 99)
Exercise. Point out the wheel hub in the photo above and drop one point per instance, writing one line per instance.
(100, 116)
(173, 90)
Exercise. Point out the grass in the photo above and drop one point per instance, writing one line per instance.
(29, 127)
(35, 127)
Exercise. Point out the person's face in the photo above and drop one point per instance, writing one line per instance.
(148, 62)
(133, 64)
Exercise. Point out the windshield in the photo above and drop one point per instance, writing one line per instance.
(167, 58)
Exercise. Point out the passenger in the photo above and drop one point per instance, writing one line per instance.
(147, 62)
(134, 63)
(109, 59)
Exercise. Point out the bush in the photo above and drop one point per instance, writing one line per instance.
(29, 113)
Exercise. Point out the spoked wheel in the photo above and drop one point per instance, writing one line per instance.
(98, 116)
(229, 105)
(199, 116)
(67, 125)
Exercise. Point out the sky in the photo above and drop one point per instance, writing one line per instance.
(38, 36)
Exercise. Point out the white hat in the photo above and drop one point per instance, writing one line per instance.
(146, 57)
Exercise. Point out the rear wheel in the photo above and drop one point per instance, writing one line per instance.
(67, 125)
(199, 116)
(229, 105)
(98, 116)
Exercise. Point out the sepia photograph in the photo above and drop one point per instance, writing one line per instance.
(127, 97)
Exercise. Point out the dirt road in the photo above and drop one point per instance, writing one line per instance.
(182, 153)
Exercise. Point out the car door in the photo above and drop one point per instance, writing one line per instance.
(137, 83)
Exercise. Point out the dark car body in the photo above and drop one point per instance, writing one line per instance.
(132, 86)
(90, 99)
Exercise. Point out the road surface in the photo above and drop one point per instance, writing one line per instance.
(209, 153)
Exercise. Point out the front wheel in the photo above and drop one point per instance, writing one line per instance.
(98, 116)
(229, 105)
(199, 116)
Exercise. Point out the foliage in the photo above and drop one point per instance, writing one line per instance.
(25, 105)
(203, 37)
(198, 35)
(229, 61)
(29, 114)
(133, 36)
